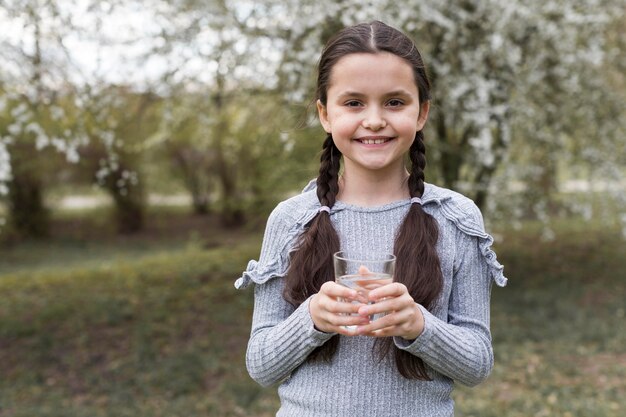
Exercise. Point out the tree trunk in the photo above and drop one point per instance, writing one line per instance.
(193, 170)
(28, 215)
(129, 213)
(200, 203)
(129, 203)
(451, 154)
(485, 173)
(482, 183)
(232, 213)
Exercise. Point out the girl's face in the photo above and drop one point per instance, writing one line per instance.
(372, 111)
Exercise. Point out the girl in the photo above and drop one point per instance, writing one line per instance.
(373, 99)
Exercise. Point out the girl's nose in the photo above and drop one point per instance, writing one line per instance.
(374, 120)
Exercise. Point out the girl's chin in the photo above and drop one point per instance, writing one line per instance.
(377, 165)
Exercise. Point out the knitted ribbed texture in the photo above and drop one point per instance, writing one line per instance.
(455, 344)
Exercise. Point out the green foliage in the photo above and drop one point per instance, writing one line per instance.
(165, 334)
(30, 133)
(235, 152)
(221, 122)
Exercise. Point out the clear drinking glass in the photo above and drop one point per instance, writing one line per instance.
(364, 273)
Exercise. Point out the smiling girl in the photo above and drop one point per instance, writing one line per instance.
(373, 99)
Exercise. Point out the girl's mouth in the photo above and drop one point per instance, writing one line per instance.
(374, 140)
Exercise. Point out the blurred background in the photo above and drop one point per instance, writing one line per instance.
(144, 143)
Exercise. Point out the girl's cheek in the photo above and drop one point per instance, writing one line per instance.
(343, 128)
(406, 119)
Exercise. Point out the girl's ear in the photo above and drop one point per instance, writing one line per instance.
(323, 115)
(423, 116)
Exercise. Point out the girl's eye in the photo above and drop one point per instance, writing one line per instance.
(352, 103)
(395, 102)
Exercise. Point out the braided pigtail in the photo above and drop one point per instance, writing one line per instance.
(328, 178)
(417, 238)
(311, 265)
(417, 264)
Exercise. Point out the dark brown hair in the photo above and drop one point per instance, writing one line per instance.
(417, 264)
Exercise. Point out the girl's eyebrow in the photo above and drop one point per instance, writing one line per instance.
(400, 92)
(351, 94)
(356, 94)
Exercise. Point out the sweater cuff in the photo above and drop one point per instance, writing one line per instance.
(422, 341)
(316, 337)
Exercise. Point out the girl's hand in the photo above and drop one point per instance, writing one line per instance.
(403, 317)
(330, 309)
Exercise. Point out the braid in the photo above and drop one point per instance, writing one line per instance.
(417, 154)
(417, 237)
(328, 178)
(312, 262)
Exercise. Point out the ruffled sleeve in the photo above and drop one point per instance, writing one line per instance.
(258, 273)
(467, 217)
(284, 225)
(273, 260)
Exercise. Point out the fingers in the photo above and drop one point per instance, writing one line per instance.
(397, 323)
(338, 305)
(386, 300)
(346, 325)
(402, 316)
(332, 309)
(334, 290)
(363, 270)
(335, 323)
(395, 289)
(338, 309)
(381, 307)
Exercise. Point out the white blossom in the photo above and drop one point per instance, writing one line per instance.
(57, 113)
(71, 155)
(5, 168)
(41, 141)
(14, 129)
(19, 110)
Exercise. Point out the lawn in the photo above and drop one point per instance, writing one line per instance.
(95, 325)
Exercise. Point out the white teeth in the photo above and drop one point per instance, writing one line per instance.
(373, 141)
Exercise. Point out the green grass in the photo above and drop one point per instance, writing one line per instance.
(159, 336)
(558, 328)
(87, 239)
(158, 330)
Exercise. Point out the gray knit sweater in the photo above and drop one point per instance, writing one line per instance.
(455, 343)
